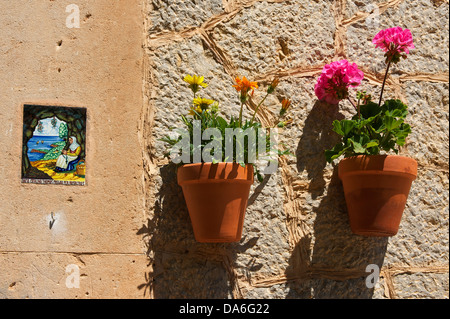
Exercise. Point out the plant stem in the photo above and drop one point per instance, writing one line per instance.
(384, 81)
(353, 104)
(359, 105)
(256, 109)
(240, 115)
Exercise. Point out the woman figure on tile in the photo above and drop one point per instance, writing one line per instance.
(69, 158)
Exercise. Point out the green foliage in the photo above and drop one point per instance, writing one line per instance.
(55, 151)
(63, 131)
(207, 113)
(210, 119)
(374, 129)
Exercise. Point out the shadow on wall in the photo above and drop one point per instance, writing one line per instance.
(333, 268)
(182, 267)
(336, 265)
(317, 137)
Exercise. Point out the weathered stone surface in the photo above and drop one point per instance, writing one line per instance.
(422, 286)
(173, 96)
(423, 235)
(181, 275)
(167, 15)
(426, 21)
(270, 36)
(428, 106)
(297, 242)
(129, 230)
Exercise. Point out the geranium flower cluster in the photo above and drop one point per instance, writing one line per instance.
(377, 127)
(395, 42)
(336, 79)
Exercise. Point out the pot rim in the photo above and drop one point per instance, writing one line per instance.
(229, 172)
(211, 163)
(377, 164)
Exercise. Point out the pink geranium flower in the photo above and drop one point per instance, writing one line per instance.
(395, 42)
(335, 80)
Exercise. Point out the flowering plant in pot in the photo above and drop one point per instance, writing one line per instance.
(217, 159)
(376, 180)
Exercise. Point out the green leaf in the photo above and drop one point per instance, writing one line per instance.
(259, 177)
(285, 152)
(343, 127)
(222, 123)
(335, 152)
(390, 123)
(369, 110)
(371, 144)
(357, 147)
(168, 140)
(372, 130)
(395, 108)
(365, 122)
(397, 113)
(337, 127)
(401, 133)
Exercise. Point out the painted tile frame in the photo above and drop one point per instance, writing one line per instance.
(54, 144)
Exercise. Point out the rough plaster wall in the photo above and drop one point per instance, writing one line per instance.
(98, 66)
(296, 241)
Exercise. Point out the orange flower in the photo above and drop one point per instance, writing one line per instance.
(284, 106)
(273, 85)
(244, 85)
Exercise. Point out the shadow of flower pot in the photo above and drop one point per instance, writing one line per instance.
(182, 267)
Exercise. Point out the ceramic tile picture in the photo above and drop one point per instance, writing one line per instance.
(54, 145)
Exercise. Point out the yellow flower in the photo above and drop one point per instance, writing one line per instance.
(195, 110)
(202, 103)
(194, 82)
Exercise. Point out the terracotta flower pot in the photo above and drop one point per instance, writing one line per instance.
(216, 196)
(376, 188)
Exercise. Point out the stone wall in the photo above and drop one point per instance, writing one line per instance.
(128, 230)
(297, 242)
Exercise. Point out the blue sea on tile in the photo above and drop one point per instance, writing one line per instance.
(40, 143)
